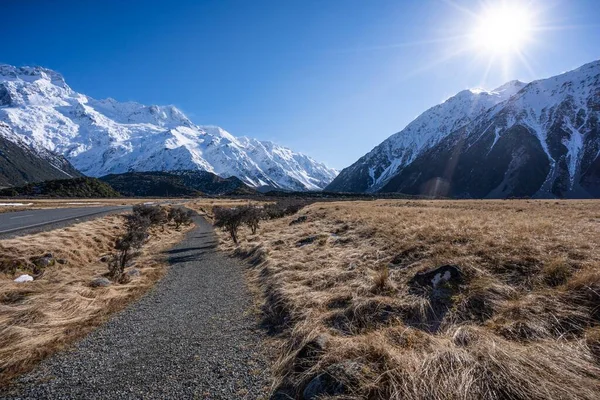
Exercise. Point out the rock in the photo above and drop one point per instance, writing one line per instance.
(352, 266)
(133, 272)
(100, 282)
(309, 351)
(61, 261)
(24, 278)
(446, 274)
(322, 385)
(42, 262)
(282, 395)
(104, 259)
(299, 220)
(334, 381)
(306, 240)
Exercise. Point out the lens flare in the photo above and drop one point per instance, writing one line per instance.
(503, 29)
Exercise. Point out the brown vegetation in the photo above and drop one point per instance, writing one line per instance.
(340, 282)
(38, 318)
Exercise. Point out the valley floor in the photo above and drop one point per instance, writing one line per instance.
(194, 335)
(342, 285)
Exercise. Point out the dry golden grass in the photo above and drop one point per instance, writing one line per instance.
(524, 325)
(40, 317)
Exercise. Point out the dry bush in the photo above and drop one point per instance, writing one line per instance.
(180, 216)
(40, 317)
(523, 323)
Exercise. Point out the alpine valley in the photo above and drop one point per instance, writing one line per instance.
(42, 118)
(540, 139)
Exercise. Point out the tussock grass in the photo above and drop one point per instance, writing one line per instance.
(524, 324)
(40, 317)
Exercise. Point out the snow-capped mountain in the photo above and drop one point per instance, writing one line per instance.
(539, 139)
(101, 137)
(372, 171)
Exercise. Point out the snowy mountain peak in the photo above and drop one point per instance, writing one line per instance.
(101, 137)
(30, 74)
(510, 88)
(537, 139)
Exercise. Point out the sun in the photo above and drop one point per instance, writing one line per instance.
(503, 29)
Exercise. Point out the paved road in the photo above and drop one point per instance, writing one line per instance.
(193, 336)
(16, 222)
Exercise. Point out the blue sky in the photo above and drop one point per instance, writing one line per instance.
(330, 78)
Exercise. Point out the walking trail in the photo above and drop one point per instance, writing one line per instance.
(193, 336)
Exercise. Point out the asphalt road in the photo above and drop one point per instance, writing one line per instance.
(18, 222)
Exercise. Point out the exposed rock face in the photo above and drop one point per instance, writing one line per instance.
(21, 163)
(540, 140)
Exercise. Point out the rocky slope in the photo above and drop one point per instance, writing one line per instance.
(101, 137)
(539, 139)
(20, 164)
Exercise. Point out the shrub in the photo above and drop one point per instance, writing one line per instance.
(137, 224)
(283, 208)
(133, 239)
(230, 219)
(157, 215)
(251, 216)
(180, 216)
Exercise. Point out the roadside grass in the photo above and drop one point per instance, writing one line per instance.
(41, 317)
(35, 203)
(337, 291)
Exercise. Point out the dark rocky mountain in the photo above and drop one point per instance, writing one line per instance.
(20, 164)
(542, 140)
(176, 183)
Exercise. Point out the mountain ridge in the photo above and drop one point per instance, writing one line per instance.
(101, 137)
(560, 112)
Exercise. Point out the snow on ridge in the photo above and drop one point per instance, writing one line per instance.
(574, 94)
(105, 136)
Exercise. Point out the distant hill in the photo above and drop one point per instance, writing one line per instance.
(176, 184)
(77, 187)
(20, 164)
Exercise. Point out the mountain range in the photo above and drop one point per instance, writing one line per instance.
(539, 139)
(44, 116)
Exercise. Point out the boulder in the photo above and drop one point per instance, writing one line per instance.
(133, 272)
(440, 276)
(100, 282)
(24, 278)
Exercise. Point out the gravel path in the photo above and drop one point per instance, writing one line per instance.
(193, 336)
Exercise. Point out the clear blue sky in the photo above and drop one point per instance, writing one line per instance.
(330, 78)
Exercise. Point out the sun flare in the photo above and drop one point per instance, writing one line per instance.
(503, 29)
